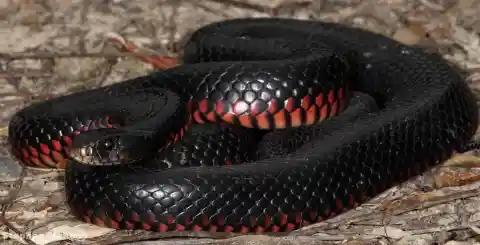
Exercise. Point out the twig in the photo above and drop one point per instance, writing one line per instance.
(206, 7)
(106, 74)
(14, 94)
(172, 24)
(244, 5)
(137, 236)
(24, 74)
(279, 4)
(433, 6)
(50, 55)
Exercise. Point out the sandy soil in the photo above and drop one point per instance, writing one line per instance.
(52, 47)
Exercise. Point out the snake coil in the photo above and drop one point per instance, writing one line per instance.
(254, 129)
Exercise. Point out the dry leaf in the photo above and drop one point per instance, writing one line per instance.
(390, 232)
(78, 233)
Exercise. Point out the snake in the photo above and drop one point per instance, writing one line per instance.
(266, 125)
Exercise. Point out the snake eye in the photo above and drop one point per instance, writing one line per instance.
(108, 145)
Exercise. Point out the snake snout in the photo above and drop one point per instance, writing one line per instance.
(99, 147)
(102, 152)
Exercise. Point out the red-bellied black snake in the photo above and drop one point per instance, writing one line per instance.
(273, 153)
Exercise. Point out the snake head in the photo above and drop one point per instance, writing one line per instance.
(105, 147)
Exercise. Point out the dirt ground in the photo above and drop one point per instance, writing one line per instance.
(52, 47)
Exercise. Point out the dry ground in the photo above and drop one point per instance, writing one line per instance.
(51, 47)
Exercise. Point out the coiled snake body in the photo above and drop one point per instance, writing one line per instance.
(266, 88)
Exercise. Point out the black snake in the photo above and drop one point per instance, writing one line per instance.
(265, 157)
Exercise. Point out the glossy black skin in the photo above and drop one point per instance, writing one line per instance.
(426, 112)
(281, 143)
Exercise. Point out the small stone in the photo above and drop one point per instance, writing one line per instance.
(406, 36)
